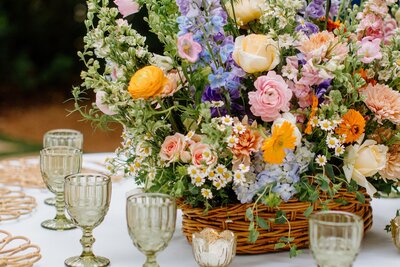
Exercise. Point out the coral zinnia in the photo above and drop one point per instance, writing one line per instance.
(352, 126)
(282, 138)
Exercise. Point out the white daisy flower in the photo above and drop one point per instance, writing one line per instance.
(227, 120)
(221, 127)
(314, 121)
(232, 140)
(325, 125)
(198, 181)
(206, 193)
(220, 169)
(212, 175)
(189, 136)
(239, 128)
(339, 150)
(218, 184)
(238, 178)
(217, 104)
(342, 138)
(332, 142)
(227, 177)
(243, 168)
(321, 160)
(192, 171)
(203, 172)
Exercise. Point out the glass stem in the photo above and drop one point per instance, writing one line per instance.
(60, 206)
(151, 261)
(87, 241)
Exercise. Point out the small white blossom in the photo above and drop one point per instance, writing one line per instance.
(332, 142)
(339, 150)
(211, 174)
(227, 120)
(314, 121)
(232, 140)
(239, 128)
(193, 171)
(321, 160)
(206, 193)
(189, 136)
(198, 181)
(238, 178)
(325, 125)
(218, 184)
(220, 169)
(217, 104)
(243, 168)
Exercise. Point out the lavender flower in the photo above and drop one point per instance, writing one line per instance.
(322, 89)
(307, 27)
(315, 10)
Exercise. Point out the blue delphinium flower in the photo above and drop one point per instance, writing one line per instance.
(218, 78)
(321, 90)
(315, 10)
(307, 27)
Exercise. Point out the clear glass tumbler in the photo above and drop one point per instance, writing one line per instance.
(151, 219)
(61, 137)
(87, 199)
(213, 249)
(335, 238)
(56, 162)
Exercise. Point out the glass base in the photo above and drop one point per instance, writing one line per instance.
(58, 224)
(51, 201)
(88, 261)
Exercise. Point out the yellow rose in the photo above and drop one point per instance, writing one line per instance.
(364, 160)
(256, 53)
(245, 11)
(147, 82)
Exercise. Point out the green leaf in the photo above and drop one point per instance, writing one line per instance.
(262, 223)
(249, 214)
(251, 226)
(308, 211)
(253, 236)
(279, 245)
(280, 217)
(329, 171)
(272, 200)
(360, 197)
(294, 252)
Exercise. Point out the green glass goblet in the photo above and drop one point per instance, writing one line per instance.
(61, 137)
(87, 198)
(151, 219)
(56, 162)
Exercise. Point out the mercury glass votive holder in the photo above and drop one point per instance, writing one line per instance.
(395, 224)
(335, 238)
(213, 249)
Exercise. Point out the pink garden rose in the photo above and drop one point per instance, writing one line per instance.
(101, 105)
(370, 50)
(188, 48)
(272, 97)
(202, 155)
(173, 149)
(127, 7)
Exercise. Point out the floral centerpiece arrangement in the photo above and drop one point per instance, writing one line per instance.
(252, 101)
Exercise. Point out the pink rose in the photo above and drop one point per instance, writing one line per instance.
(127, 7)
(272, 97)
(173, 149)
(370, 50)
(202, 155)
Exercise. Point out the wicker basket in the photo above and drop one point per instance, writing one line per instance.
(233, 218)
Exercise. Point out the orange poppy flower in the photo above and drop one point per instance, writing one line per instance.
(352, 126)
(282, 138)
(314, 109)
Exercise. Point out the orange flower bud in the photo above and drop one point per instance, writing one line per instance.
(147, 82)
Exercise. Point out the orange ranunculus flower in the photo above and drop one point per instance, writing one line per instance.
(314, 109)
(352, 126)
(147, 82)
(282, 138)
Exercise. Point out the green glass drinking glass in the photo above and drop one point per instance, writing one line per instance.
(56, 162)
(335, 237)
(87, 199)
(61, 137)
(151, 219)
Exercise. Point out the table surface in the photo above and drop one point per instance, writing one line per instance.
(113, 242)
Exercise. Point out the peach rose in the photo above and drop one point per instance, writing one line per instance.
(272, 97)
(256, 53)
(173, 148)
(202, 155)
(245, 11)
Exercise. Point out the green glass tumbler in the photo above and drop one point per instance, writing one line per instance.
(56, 162)
(151, 219)
(87, 199)
(61, 137)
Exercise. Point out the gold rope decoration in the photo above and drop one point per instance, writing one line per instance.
(17, 251)
(25, 172)
(14, 204)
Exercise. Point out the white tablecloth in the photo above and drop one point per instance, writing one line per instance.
(113, 242)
